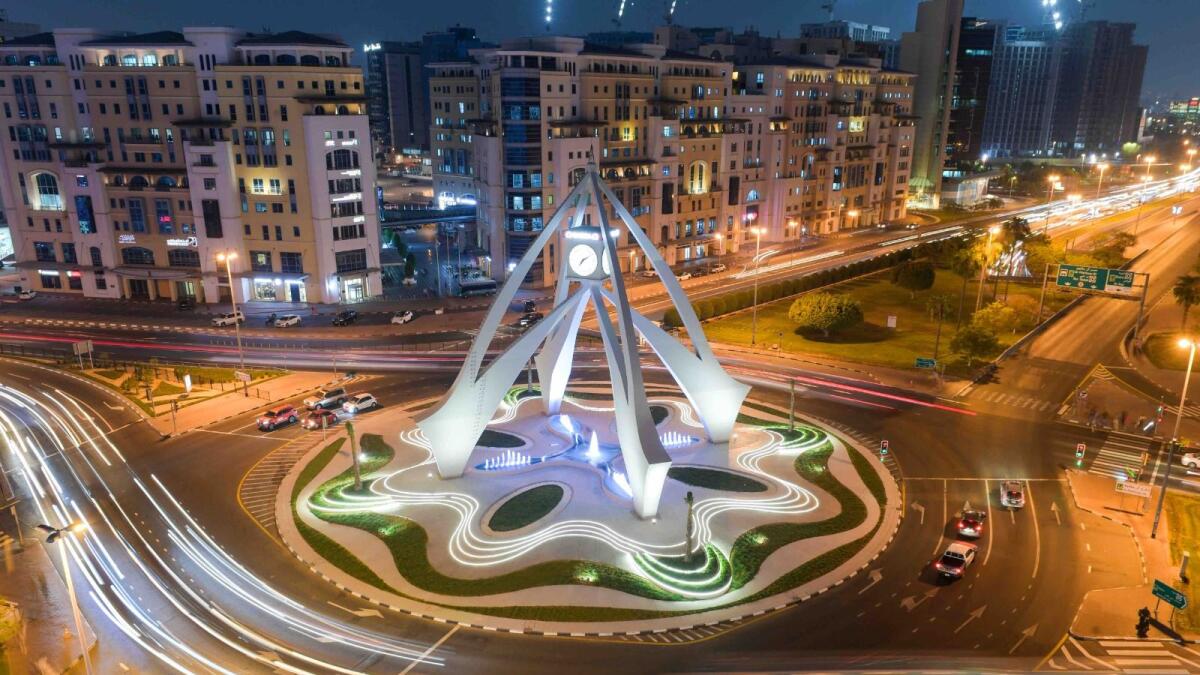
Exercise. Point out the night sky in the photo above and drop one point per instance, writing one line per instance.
(1170, 27)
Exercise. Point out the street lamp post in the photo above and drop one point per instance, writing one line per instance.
(54, 534)
(720, 237)
(1191, 347)
(1141, 200)
(758, 232)
(1103, 166)
(1149, 160)
(228, 257)
(632, 260)
(992, 232)
(1191, 153)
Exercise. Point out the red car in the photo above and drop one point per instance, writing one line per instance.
(971, 523)
(315, 418)
(277, 417)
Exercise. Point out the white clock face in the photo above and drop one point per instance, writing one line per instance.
(605, 265)
(582, 260)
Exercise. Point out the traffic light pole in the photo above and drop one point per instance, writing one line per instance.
(1162, 495)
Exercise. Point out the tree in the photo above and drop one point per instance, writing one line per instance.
(410, 266)
(1187, 293)
(965, 263)
(914, 276)
(996, 318)
(973, 342)
(938, 305)
(825, 312)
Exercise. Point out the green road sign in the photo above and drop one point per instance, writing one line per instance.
(1119, 282)
(926, 363)
(1078, 276)
(1172, 597)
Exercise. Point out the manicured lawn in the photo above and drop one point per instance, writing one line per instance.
(714, 479)
(168, 389)
(1183, 521)
(216, 374)
(1163, 351)
(872, 341)
(525, 508)
(112, 373)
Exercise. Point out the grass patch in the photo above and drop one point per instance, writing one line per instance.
(110, 373)
(872, 341)
(1163, 351)
(491, 438)
(1183, 521)
(715, 479)
(218, 374)
(168, 389)
(526, 508)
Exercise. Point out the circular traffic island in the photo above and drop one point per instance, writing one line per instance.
(542, 537)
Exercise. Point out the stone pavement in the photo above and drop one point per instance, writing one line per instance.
(235, 403)
(1112, 613)
(46, 642)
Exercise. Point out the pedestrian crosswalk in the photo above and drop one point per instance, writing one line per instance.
(1124, 656)
(259, 486)
(1001, 397)
(1122, 456)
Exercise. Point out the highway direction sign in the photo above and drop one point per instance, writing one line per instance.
(1101, 279)
(1163, 591)
(241, 375)
(1135, 489)
(926, 363)
(1119, 282)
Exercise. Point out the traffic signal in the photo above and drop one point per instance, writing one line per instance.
(883, 447)
(1080, 449)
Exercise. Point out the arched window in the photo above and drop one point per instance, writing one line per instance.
(110, 60)
(320, 110)
(97, 260)
(262, 59)
(138, 182)
(182, 257)
(285, 60)
(136, 255)
(11, 60)
(698, 177)
(170, 60)
(752, 196)
(48, 197)
(343, 110)
(666, 234)
(165, 182)
(332, 61)
(341, 159)
(33, 60)
(309, 60)
(149, 59)
(129, 60)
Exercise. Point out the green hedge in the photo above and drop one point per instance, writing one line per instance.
(739, 300)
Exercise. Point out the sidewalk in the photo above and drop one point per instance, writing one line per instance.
(1112, 612)
(46, 642)
(1110, 395)
(234, 403)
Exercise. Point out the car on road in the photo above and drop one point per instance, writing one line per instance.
(359, 402)
(326, 398)
(345, 317)
(970, 524)
(530, 306)
(1012, 494)
(955, 561)
(27, 295)
(287, 320)
(718, 268)
(277, 417)
(911, 226)
(403, 317)
(649, 273)
(1190, 460)
(683, 276)
(318, 418)
(228, 318)
(528, 319)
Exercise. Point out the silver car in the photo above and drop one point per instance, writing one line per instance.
(1012, 494)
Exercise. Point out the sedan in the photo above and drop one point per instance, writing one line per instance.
(403, 317)
(683, 276)
(320, 418)
(345, 317)
(277, 417)
(360, 402)
(27, 295)
(1012, 494)
(955, 561)
(1190, 460)
(528, 319)
(971, 524)
(287, 320)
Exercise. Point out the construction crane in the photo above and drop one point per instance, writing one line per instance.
(828, 6)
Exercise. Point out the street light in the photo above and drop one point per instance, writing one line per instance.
(1141, 200)
(228, 257)
(758, 233)
(992, 232)
(632, 253)
(1191, 153)
(1149, 160)
(1189, 345)
(720, 237)
(53, 534)
(1102, 166)
(792, 225)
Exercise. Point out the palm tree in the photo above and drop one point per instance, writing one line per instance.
(938, 305)
(965, 264)
(1187, 293)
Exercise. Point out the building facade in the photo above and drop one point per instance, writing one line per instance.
(131, 161)
(968, 103)
(1100, 83)
(1022, 93)
(859, 32)
(702, 152)
(397, 101)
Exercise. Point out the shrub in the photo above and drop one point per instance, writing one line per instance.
(914, 276)
(825, 312)
(671, 318)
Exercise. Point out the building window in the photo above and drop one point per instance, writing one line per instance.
(291, 263)
(69, 256)
(48, 197)
(210, 183)
(83, 210)
(260, 261)
(52, 281)
(351, 261)
(94, 253)
(136, 255)
(137, 214)
(211, 210)
(162, 215)
(183, 257)
(43, 251)
(341, 159)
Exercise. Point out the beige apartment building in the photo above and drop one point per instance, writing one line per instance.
(704, 153)
(132, 162)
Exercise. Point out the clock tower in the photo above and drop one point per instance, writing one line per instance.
(586, 257)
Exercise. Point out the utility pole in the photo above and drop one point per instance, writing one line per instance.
(354, 457)
(1162, 495)
(688, 533)
(792, 404)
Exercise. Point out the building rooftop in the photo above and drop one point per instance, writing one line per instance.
(162, 37)
(35, 40)
(291, 37)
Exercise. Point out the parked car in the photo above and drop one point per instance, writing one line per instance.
(649, 273)
(1190, 460)
(1012, 494)
(530, 306)
(228, 318)
(683, 276)
(955, 561)
(971, 523)
(359, 402)
(287, 320)
(27, 295)
(186, 303)
(277, 417)
(327, 398)
(345, 317)
(403, 317)
(718, 268)
(314, 419)
(528, 319)
(409, 281)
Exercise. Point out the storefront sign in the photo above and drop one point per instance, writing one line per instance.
(186, 241)
(126, 239)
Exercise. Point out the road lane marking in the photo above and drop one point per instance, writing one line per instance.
(1037, 534)
(945, 507)
(427, 652)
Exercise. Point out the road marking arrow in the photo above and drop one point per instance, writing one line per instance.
(1054, 510)
(916, 506)
(876, 576)
(966, 506)
(358, 612)
(974, 615)
(1025, 635)
(911, 602)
